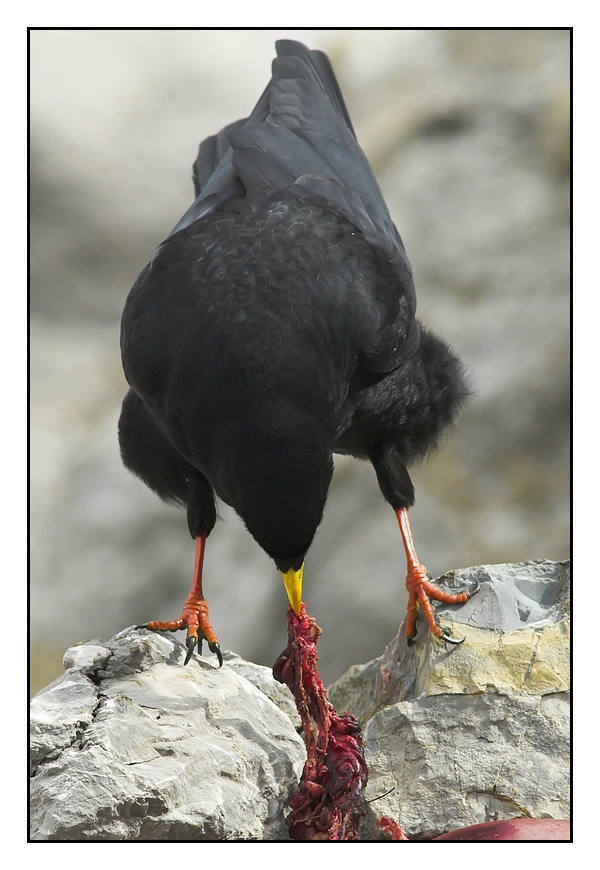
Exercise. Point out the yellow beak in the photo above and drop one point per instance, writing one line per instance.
(293, 586)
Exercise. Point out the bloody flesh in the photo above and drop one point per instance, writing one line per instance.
(329, 802)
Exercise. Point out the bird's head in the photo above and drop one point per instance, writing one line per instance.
(280, 494)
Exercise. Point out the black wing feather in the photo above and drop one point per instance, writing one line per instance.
(299, 139)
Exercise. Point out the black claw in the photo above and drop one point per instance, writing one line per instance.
(143, 625)
(190, 643)
(476, 589)
(454, 640)
(216, 649)
(410, 641)
(473, 590)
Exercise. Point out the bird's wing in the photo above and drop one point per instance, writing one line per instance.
(214, 176)
(300, 139)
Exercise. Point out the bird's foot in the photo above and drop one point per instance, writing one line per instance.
(195, 619)
(420, 591)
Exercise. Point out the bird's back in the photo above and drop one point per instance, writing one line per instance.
(285, 271)
(240, 325)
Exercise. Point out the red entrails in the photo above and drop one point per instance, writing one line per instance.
(329, 802)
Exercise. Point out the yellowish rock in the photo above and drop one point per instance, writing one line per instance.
(531, 660)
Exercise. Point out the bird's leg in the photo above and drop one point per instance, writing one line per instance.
(195, 613)
(420, 590)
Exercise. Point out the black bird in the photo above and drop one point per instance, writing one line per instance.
(276, 326)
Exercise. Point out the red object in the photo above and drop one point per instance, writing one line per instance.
(505, 830)
(329, 802)
(388, 829)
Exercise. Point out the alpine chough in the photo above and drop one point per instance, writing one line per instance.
(276, 326)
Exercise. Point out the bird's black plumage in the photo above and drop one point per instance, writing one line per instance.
(276, 325)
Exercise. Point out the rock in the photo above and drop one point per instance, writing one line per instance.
(463, 735)
(130, 745)
(516, 631)
(262, 677)
(458, 760)
(58, 715)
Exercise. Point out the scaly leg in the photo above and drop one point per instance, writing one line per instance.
(420, 590)
(195, 613)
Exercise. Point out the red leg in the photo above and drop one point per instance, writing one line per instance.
(420, 590)
(195, 613)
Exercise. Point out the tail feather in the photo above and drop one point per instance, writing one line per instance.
(303, 96)
(214, 148)
(295, 61)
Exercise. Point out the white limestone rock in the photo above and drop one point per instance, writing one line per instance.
(457, 760)
(130, 745)
(459, 735)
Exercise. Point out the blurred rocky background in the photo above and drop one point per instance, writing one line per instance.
(468, 134)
